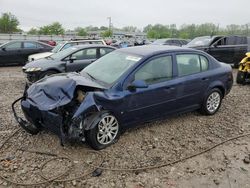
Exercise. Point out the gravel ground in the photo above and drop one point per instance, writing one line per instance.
(151, 144)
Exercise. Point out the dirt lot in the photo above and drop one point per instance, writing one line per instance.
(151, 144)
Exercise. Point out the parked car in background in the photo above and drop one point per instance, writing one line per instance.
(125, 87)
(227, 49)
(72, 59)
(64, 45)
(17, 52)
(170, 41)
(122, 44)
(49, 42)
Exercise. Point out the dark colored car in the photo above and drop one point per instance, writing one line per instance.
(17, 52)
(227, 49)
(70, 60)
(170, 42)
(125, 87)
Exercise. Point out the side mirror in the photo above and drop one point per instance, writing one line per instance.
(137, 84)
(72, 59)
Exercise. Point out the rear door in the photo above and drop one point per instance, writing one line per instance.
(30, 48)
(82, 59)
(193, 79)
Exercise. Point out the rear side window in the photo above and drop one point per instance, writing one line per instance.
(29, 45)
(191, 63)
(204, 63)
(104, 51)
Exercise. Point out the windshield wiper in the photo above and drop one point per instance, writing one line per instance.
(93, 78)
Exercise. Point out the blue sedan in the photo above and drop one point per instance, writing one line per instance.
(126, 87)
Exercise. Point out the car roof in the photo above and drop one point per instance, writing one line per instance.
(36, 41)
(81, 46)
(148, 50)
(87, 40)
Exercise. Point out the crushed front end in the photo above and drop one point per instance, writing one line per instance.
(55, 107)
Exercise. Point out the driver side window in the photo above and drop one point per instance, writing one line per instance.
(157, 70)
(14, 45)
(85, 54)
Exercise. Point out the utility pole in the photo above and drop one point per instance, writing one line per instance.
(110, 24)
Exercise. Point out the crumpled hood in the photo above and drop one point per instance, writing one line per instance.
(57, 90)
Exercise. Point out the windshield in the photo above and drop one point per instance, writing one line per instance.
(110, 67)
(62, 54)
(200, 41)
(159, 41)
(56, 49)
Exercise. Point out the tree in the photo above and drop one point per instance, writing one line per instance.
(8, 23)
(33, 31)
(129, 29)
(107, 33)
(103, 28)
(81, 31)
(52, 29)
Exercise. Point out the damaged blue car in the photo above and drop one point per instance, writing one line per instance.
(124, 88)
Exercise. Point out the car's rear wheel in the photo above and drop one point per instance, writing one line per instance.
(241, 77)
(104, 133)
(212, 102)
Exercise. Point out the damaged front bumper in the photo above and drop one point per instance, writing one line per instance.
(49, 120)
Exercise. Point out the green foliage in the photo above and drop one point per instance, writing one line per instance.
(33, 31)
(129, 29)
(107, 33)
(52, 29)
(8, 23)
(81, 31)
(191, 31)
(103, 28)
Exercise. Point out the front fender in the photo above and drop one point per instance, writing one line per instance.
(87, 105)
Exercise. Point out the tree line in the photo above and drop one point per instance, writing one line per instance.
(9, 24)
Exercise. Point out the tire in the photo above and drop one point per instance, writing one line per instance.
(101, 136)
(241, 77)
(236, 65)
(47, 73)
(211, 102)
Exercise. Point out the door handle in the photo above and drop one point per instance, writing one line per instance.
(169, 88)
(204, 79)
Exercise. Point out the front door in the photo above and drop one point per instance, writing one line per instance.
(82, 58)
(11, 53)
(224, 50)
(159, 97)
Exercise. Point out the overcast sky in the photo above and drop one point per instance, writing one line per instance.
(73, 13)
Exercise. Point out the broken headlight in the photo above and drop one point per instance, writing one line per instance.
(80, 95)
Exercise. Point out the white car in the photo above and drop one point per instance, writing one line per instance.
(63, 46)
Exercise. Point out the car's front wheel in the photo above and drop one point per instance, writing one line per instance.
(212, 102)
(104, 133)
